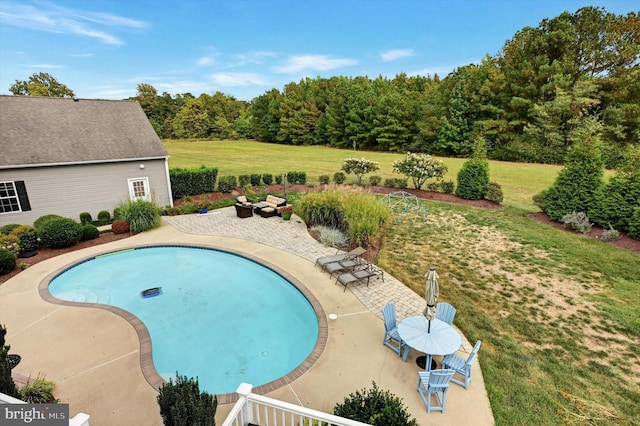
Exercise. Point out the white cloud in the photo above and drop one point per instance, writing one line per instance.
(205, 60)
(253, 57)
(239, 79)
(81, 55)
(313, 62)
(395, 54)
(48, 66)
(49, 17)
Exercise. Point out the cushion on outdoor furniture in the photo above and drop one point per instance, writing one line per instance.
(242, 199)
(267, 212)
(436, 383)
(391, 336)
(342, 265)
(243, 211)
(462, 366)
(273, 201)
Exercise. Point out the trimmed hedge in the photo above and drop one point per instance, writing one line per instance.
(192, 181)
(7, 261)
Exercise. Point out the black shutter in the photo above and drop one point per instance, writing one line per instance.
(22, 195)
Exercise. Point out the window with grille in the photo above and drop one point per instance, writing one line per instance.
(139, 189)
(13, 197)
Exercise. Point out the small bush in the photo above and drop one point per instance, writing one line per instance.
(339, 178)
(85, 217)
(494, 193)
(396, 182)
(256, 179)
(296, 177)
(227, 183)
(433, 186)
(89, 232)
(279, 179)
(8, 229)
(324, 179)
(7, 385)
(120, 226)
(27, 238)
(61, 232)
(11, 243)
(116, 214)
(172, 211)
(38, 391)
(244, 180)
(39, 223)
(330, 237)
(182, 403)
(578, 221)
(610, 234)
(7, 262)
(267, 178)
(104, 218)
(375, 407)
(141, 215)
(375, 180)
(473, 179)
(447, 186)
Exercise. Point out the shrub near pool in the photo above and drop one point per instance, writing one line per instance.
(360, 214)
(60, 232)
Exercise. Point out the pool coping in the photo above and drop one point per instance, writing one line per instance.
(146, 360)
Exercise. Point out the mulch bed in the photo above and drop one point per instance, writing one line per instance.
(44, 253)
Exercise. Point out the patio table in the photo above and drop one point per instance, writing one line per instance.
(441, 340)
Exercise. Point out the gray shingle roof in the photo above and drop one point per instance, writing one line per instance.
(39, 130)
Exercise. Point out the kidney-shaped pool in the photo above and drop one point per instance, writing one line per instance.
(220, 317)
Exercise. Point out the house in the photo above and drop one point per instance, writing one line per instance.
(67, 156)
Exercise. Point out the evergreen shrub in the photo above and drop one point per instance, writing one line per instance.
(447, 186)
(27, 238)
(60, 232)
(7, 385)
(634, 224)
(8, 229)
(494, 193)
(85, 217)
(279, 179)
(294, 177)
(375, 180)
(227, 184)
(578, 221)
(244, 180)
(375, 407)
(473, 179)
(324, 179)
(339, 178)
(104, 217)
(255, 180)
(182, 403)
(89, 232)
(192, 181)
(39, 223)
(267, 178)
(7, 261)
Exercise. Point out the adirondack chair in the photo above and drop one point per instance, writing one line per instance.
(445, 312)
(462, 366)
(434, 383)
(391, 336)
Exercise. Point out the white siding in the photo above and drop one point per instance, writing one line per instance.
(70, 190)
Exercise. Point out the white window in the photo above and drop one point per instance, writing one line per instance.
(139, 189)
(13, 197)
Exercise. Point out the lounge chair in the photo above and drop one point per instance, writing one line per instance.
(355, 253)
(352, 276)
(434, 382)
(343, 265)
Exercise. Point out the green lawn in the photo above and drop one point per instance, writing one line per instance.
(558, 313)
(520, 181)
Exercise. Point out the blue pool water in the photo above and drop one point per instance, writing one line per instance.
(221, 317)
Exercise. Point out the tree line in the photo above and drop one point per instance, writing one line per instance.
(527, 101)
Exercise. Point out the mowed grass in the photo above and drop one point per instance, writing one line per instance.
(558, 313)
(232, 158)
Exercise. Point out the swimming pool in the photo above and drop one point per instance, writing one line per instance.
(221, 317)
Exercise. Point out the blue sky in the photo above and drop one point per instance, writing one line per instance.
(104, 49)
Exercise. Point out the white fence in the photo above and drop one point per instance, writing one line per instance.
(252, 409)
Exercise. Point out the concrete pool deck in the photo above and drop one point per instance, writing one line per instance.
(93, 355)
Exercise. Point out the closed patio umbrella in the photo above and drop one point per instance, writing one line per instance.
(432, 291)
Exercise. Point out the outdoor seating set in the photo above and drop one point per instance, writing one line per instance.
(349, 267)
(268, 207)
(434, 337)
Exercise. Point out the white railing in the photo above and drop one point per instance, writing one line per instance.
(263, 411)
(80, 419)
